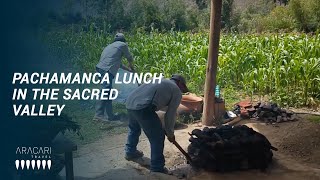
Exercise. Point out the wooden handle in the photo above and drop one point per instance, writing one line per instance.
(182, 151)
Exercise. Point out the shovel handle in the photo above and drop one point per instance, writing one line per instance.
(182, 151)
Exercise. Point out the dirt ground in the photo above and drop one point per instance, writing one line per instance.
(298, 156)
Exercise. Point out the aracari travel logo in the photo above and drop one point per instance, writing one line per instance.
(33, 158)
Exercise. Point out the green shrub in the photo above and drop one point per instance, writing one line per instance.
(279, 19)
(226, 16)
(250, 16)
(306, 14)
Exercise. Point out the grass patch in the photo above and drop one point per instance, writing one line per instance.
(82, 112)
(231, 96)
(313, 118)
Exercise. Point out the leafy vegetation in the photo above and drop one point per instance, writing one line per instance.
(278, 15)
(286, 67)
(171, 37)
(306, 14)
(184, 15)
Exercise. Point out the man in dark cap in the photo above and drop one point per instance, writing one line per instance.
(110, 62)
(142, 105)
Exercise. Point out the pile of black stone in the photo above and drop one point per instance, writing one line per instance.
(272, 113)
(229, 148)
(266, 111)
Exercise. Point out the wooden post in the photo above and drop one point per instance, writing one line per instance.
(69, 166)
(208, 117)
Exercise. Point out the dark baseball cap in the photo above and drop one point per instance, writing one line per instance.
(181, 79)
(120, 37)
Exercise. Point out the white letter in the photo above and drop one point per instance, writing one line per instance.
(32, 78)
(146, 79)
(95, 94)
(16, 111)
(24, 79)
(105, 78)
(54, 79)
(26, 110)
(76, 79)
(54, 94)
(51, 108)
(45, 78)
(67, 94)
(95, 80)
(124, 78)
(137, 78)
(16, 76)
(104, 94)
(113, 92)
(117, 79)
(35, 93)
(64, 79)
(83, 94)
(60, 108)
(86, 78)
(157, 78)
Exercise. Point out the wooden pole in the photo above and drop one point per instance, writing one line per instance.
(208, 117)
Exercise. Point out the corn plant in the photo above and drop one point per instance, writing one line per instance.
(286, 67)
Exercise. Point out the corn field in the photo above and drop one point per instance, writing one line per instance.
(285, 67)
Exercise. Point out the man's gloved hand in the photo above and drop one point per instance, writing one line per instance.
(171, 138)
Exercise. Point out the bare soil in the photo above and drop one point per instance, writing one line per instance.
(298, 156)
(299, 140)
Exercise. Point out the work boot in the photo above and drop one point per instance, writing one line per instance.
(98, 119)
(133, 156)
(164, 171)
(115, 117)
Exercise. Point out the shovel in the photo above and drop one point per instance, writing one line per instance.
(182, 151)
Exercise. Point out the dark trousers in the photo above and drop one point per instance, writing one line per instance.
(104, 107)
(148, 120)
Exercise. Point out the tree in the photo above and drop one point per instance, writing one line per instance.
(227, 8)
(202, 4)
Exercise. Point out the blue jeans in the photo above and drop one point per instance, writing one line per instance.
(104, 107)
(148, 120)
